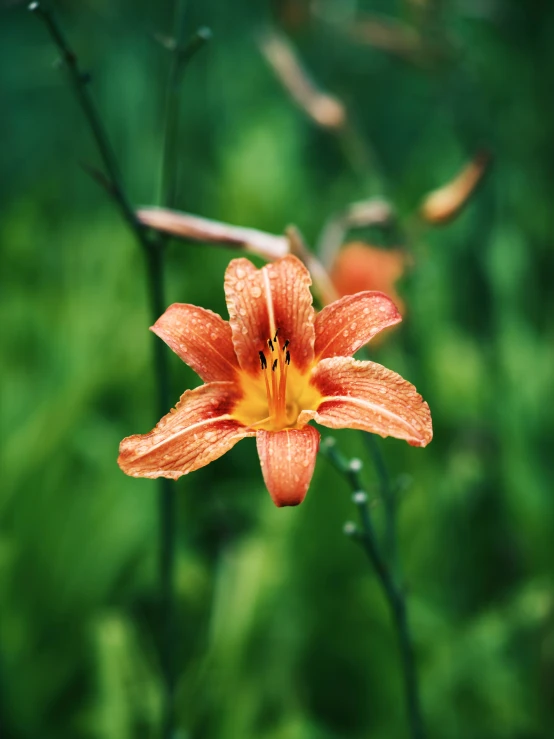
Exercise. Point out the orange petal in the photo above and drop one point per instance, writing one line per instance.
(197, 431)
(367, 396)
(201, 338)
(288, 460)
(344, 326)
(260, 301)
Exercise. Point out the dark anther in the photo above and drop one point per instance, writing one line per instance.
(287, 358)
(270, 344)
(262, 360)
(274, 365)
(287, 342)
(275, 337)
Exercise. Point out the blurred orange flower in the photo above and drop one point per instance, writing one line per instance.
(359, 266)
(269, 370)
(444, 204)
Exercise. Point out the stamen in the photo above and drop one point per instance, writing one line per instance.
(276, 386)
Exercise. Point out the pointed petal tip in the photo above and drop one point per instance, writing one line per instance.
(349, 323)
(288, 459)
(370, 397)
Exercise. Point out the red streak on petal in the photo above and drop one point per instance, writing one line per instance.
(197, 431)
(202, 339)
(367, 396)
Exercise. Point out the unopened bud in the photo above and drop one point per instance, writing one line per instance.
(444, 204)
(324, 109)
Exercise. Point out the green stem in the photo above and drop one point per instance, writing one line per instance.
(387, 496)
(394, 593)
(79, 81)
(181, 56)
(168, 500)
(154, 252)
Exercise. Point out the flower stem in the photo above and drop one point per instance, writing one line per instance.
(168, 502)
(394, 593)
(387, 496)
(154, 249)
(182, 53)
(80, 82)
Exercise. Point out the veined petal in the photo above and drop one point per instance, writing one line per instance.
(197, 431)
(288, 459)
(260, 301)
(344, 326)
(201, 338)
(367, 396)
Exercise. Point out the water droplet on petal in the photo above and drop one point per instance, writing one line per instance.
(366, 311)
(255, 292)
(213, 336)
(240, 273)
(239, 285)
(243, 311)
(345, 332)
(353, 326)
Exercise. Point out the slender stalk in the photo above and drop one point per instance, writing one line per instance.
(79, 81)
(387, 496)
(168, 501)
(394, 593)
(182, 53)
(153, 248)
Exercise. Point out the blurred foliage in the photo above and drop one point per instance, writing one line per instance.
(283, 632)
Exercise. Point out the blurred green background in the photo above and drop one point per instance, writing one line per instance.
(283, 632)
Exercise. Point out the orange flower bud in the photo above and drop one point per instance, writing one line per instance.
(444, 204)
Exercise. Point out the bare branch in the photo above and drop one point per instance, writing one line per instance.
(194, 228)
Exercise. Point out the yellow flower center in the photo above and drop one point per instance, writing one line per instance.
(274, 400)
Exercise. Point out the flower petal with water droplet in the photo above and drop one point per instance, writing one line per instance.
(344, 326)
(353, 397)
(288, 459)
(197, 431)
(202, 339)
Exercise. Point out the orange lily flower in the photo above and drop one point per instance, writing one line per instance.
(269, 370)
(359, 266)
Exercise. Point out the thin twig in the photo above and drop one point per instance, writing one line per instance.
(388, 497)
(168, 501)
(189, 227)
(154, 252)
(182, 53)
(394, 593)
(80, 83)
